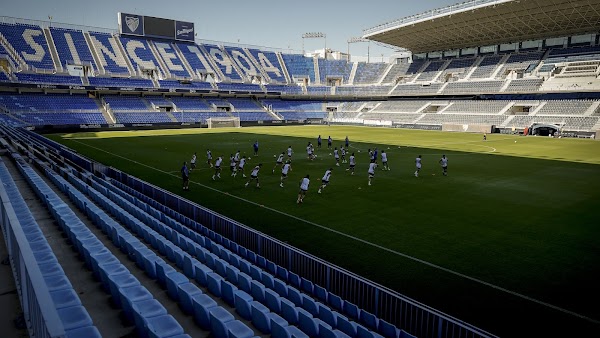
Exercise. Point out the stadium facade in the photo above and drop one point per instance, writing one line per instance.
(507, 78)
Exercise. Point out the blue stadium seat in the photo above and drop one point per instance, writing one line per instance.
(228, 292)
(202, 305)
(237, 329)
(145, 310)
(131, 295)
(163, 326)
(219, 317)
(260, 317)
(186, 292)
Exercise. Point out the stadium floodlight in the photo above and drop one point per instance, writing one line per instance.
(315, 35)
(357, 39)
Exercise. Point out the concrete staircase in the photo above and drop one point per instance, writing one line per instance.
(507, 121)
(106, 112)
(317, 72)
(501, 65)
(420, 71)
(473, 67)
(184, 61)
(288, 78)
(132, 70)
(161, 63)
(539, 107)
(442, 69)
(353, 73)
(53, 53)
(385, 73)
(235, 66)
(92, 47)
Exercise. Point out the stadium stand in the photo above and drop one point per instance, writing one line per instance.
(48, 79)
(334, 69)
(270, 65)
(228, 289)
(223, 61)
(120, 82)
(30, 44)
(300, 67)
(107, 51)
(486, 67)
(169, 56)
(195, 58)
(369, 73)
(71, 47)
(140, 55)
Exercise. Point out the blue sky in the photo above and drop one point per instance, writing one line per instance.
(264, 22)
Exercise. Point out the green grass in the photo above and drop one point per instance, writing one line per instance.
(520, 213)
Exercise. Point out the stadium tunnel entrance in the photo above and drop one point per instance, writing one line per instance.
(544, 129)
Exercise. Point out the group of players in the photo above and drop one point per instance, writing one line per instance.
(237, 164)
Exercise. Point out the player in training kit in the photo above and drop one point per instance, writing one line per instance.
(375, 153)
(370, 154)
(325, 179)
(309, 151)
(255, 147)
(218, 167)
(347, 142)
(241, 167)
(372, 167)
(290, 152)
(418, 164)
(484, 136)
(352, 164)
(336, 155)
(444, 164)
(236, 157)
(343, 151)
(319, 142)
(185, 176)
(279, 161)
(287, 167)
(232, 164)
(193, 162)
(303, 189)
(209, 157)
(254, 176)
(384, 161)
(329, 141)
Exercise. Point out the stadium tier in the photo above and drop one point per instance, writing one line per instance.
(139, 243)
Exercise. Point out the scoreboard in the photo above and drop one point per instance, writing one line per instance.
(152, 27)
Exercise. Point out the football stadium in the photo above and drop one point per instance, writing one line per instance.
(157, 185)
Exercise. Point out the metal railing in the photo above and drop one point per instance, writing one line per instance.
(38, 308)
(431, 14)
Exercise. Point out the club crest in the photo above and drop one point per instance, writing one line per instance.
(132, 23)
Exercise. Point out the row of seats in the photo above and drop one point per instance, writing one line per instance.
(261, 279)
(74, 317)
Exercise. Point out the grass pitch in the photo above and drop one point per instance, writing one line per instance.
(508, 241)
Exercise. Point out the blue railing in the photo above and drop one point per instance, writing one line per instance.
(404, 312)
(38, 308)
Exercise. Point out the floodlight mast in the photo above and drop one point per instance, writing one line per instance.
(315, 35)
(357, 39)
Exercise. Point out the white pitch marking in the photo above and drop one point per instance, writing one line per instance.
(473, 279)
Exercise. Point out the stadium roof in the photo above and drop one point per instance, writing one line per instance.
(478, 23)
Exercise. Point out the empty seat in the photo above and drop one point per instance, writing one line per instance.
(202, 305)
(163, 326)
(260, 317)
(242, 303)
(186, 293)
(173, 280)
(219, 317)
(74, 317)
(237, 329)
(145, 310)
